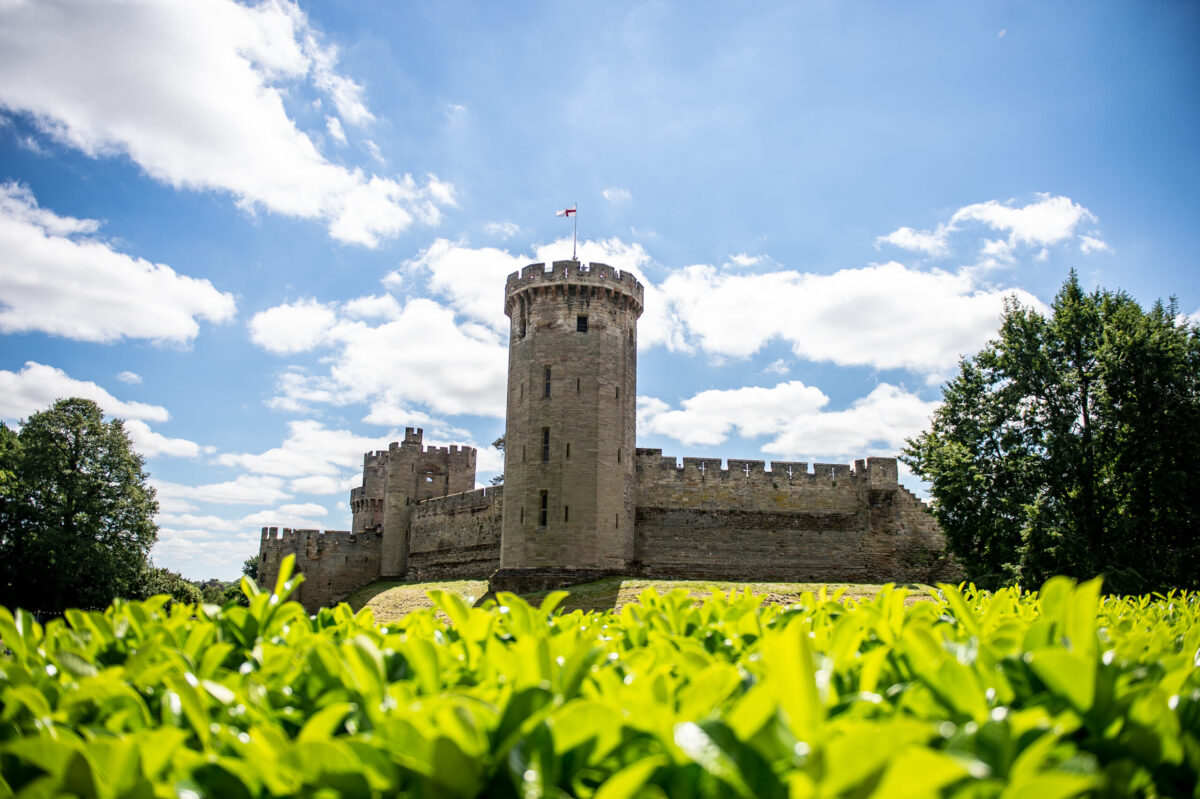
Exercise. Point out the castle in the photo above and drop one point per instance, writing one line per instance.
(579, 501)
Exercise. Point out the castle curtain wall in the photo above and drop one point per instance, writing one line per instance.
(835, 524)
(456, 537)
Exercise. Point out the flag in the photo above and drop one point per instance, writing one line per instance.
(565, 212)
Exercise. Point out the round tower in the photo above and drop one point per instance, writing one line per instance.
(569, 438)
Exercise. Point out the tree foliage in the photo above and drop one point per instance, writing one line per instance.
(1067, 446)
(76, 514)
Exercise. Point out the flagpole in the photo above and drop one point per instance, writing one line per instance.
(575, 237)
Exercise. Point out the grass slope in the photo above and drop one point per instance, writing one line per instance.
(391, 600)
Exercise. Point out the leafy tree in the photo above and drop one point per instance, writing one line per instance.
(76, 515)
(160, 580)
(1066, 446)
(250, 567)
(499, 444)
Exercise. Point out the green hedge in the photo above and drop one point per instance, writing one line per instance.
(1057, 693)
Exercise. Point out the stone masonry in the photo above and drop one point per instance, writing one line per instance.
(579, 501)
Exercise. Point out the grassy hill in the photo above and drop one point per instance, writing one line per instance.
(391, 600)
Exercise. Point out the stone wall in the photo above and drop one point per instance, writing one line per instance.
(335, 563)
(456, 537)
(834, 524)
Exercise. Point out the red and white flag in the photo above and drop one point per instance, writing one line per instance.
(565, 212)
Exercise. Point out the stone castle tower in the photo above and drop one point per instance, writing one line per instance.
(396, 479)
(569, 472)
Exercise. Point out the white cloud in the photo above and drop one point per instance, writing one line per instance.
(885, 316)
(777, 367)
(472, 279)
(505, 230)
(132, 378)
(55, 280)
(245, 489)
(334, 126)
(794, 415)
(292, 327)
(930, 243)
(194, 93)
(345, 93)
(1091, 244)
(309, 450)
(1047, 221)
(381, 306)
(743, 260)
(616, 195)
(710, 416)
(37, 386)
(152, 444)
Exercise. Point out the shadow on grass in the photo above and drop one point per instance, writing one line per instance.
(359, 599)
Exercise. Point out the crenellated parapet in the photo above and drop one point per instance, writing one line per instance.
(875, 472)
(480, 497)
(571, 280)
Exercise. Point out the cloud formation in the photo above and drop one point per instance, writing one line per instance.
(1049, 220)
(795, 418)
(37, 386)
(55, 278)
(195, 94)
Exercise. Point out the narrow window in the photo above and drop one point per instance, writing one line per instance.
(547, 394)
(545, 508)
(566, 513)
(522, 391)
(522, 453)
(545, 444)
(581, 324)
(618, 392)
(577, 385)
(568, 449)
(618, 454)
(617, 521)
(522, 514)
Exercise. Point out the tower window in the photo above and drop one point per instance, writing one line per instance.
(545, 444)
(568, 449)
(545, 495)
(547, 394)
(618, 454)
(618, 392)
(577, 385)
(522, 514)
(566, 513)
(581, 324)
(522, 453)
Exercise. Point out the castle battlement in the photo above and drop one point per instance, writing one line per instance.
(878, 472)
(597, 275)
(478, 498)
(298, 537)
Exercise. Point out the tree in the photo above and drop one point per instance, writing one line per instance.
(76, 514)
(499, 444)
(1066, 446)
(160, 580)
(250, 567)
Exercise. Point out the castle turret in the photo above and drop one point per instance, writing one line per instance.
(572, 387)
(414, 473)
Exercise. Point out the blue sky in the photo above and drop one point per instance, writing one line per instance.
(271, 236)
